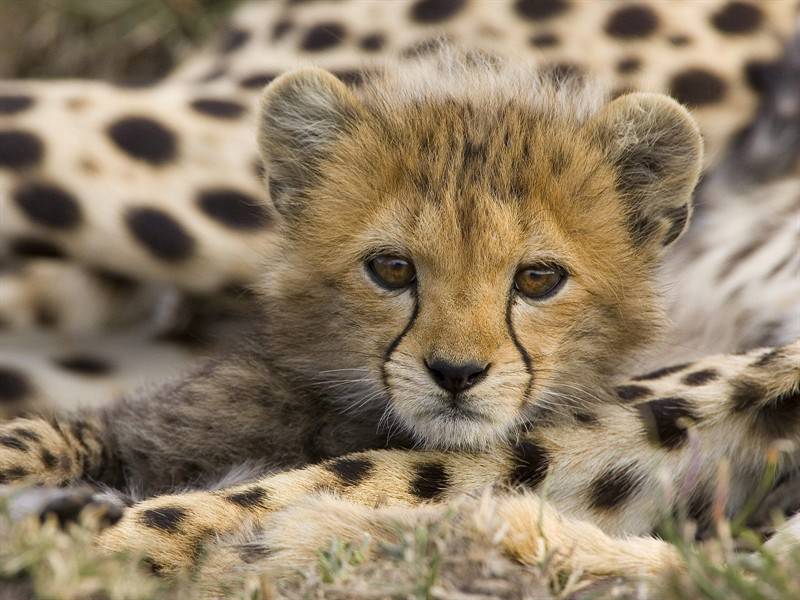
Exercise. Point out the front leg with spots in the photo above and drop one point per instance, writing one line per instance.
(43, 452)
(171, 531)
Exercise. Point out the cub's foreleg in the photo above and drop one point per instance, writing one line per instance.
(623, 467)
(52, 452)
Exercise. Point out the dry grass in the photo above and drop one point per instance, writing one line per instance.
(443, 561)
(130, 41)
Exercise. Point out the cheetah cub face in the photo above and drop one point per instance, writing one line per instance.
(465, 245)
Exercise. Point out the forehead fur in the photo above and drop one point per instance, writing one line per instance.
(471, 159)
(451, 74)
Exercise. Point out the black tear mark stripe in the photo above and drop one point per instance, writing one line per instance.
(430, 482)
(396, 342)
(666, 421)
(614, 487)
(530, 464)
(351, 471)
(253, 497)
(166, 518)
(526, 358)
(659, 373)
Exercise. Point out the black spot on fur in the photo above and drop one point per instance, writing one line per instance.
(351, 77)
(14, 386)
(11, 442)
(44, 316)
(776, 417)
(281, 28)
(116, 282)
(435, 11)
(768, 358)
(430, 481)
(663, 372)
(30, 247)
(48, 205)
(630, 64)
(222, 109)
(586, 418)
(737, 18)
(166, 518)
(562, 71)
(630, 22)
(665, 421)
(747, 394)
(762, 75)
(256, 81)
(12, 104)
(697, 87)
(738, 257)
(545, 39)
(699, 510)
(351, 471)
(421, 48)
(12, 474)
(372, 42)
(19, 149)
(539, 10)
(144, 139)
(628, 393)
(85, 365)
(252, 552)
(27, 434)
(233, 39)
(530, 465)
(212, 75)
(613, 487)
(679, 40)
(323, 36)
(700, 377)
(48, 460)
(250, 498)
(233, 208)
(160, 234)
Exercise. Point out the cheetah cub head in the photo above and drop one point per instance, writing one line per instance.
(465, 245)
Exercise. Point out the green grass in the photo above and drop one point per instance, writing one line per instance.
(134, 41)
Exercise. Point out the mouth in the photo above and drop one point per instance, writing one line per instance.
(453, 410)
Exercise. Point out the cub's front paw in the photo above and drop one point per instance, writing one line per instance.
(66, 505)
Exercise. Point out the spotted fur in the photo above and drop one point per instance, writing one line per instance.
(206, 224)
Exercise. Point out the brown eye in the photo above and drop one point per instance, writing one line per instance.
(539, 282)
(391, 272)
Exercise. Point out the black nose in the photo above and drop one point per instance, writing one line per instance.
(456, 378)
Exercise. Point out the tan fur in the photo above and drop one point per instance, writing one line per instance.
(418, 163)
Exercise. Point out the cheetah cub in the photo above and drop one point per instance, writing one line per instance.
(466, 261)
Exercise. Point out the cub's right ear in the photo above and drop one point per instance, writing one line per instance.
(303, 113)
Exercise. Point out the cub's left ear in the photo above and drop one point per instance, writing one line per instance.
(657, 152)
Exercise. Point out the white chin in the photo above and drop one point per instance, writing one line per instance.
(447, 431)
